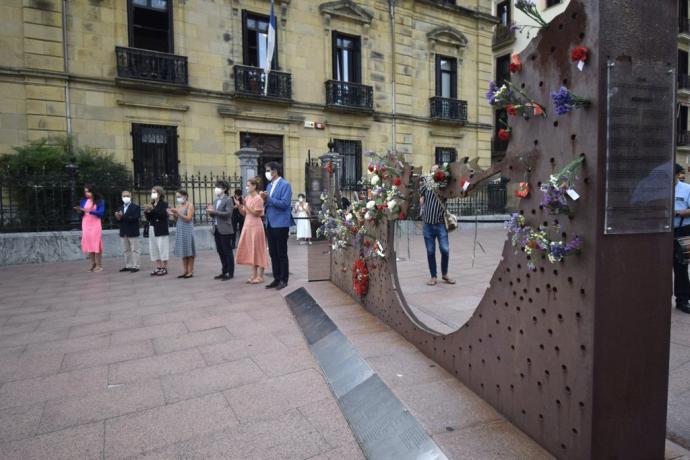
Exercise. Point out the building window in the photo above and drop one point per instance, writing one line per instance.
(151, 25)
(683, 119)
(502, 69)
(550, 3)
(255, 40)
(446, 77)
(346, 58)
(503, 13)
(445, 155)
(352, 162)
(155, 154)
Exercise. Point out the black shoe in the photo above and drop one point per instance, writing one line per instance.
(281, 285)
(683, 306)
(275, 283)
(219, 277)
(125, 270)
(133, 270)
(226, 277)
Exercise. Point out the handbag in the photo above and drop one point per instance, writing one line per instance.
(449, 219)
(146, 229)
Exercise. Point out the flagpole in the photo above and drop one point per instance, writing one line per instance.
(271, 45)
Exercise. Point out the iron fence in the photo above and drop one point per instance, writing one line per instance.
(44, 202)
(251, 82)
(348, 95)
(448, 109)
(150, 65)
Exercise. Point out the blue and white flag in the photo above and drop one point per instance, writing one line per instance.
(271, 46)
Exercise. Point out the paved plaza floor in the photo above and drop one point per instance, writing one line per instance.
(118, 365)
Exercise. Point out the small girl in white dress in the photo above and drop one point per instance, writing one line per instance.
(302, 212)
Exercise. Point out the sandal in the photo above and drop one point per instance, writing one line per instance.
(155, 271)
(92, 267)
(98, 268)
(256, 281)
(182, 276)
(431, 282)
(187, 276)
(448, 280)
(162, 272)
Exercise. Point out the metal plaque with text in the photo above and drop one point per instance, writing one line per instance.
(640, 148)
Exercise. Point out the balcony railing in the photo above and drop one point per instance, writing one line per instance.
(138, 64)
(346, 95)
(683, 138)
(683, 81)
(251, 82)
(503, 34)
(446, 109)
(684, 26)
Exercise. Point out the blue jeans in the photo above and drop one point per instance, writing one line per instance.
(431, 232)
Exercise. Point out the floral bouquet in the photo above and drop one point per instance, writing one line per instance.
(513, 100)
(360, 277)
(559, 189)
(529, 240)
(531, 11)
(564, 101)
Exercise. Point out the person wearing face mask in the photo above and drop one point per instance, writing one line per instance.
(92, 208)
(183, 215)
(128, 215)
(251, 249)
(302, 214)
(156, 213)
(221, 213)
(277, 203)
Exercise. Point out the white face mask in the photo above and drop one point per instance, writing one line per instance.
(180, 199)
(126, 199)
(218, 191)
(154, 195)
(269, 176)
(301, 199)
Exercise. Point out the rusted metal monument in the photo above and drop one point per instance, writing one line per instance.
(575, 353)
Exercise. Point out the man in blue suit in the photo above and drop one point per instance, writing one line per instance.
(278, 210)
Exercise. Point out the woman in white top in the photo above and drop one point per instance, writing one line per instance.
(302, 212)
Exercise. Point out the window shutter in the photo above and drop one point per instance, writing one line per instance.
(454, 78)
(334, 54)
(136, 150)
(171, 35)
(357, 55)
(439, 86)
(172, 161)
(245, 39)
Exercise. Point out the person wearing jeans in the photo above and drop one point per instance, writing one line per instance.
(681, 228)
(432, 211)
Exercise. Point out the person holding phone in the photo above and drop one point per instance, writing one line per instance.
(221, 213)
(251, 248)
(156, 213)
(92, 208)
(128, 216)
(183, 215)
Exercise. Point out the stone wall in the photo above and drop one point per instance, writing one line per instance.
(41, 247)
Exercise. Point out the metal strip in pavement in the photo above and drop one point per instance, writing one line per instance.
(383, 427)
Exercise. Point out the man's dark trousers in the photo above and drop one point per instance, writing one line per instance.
(681, 282)
(278, 250)
(224, 248)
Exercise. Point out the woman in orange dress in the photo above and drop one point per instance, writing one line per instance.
(252, 249)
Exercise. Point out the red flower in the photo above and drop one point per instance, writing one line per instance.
(397, 182)
(515, 68)
(439, 176)
(402, 216)
(579, 53)
(523, 190)
(371, 168)
(512, 111)
(504, 134)
(360, 277)
(380, 207)
(329, 167)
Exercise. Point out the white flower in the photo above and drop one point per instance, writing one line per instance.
(375, 179)
(348, 217)
(371, 204)
(392, 204)
(367, 216)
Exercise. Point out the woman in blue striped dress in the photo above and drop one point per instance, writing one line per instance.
(183, 215)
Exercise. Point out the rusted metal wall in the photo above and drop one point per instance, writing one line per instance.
(575, 353)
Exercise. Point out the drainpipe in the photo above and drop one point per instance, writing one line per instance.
(65, 55)
(391, 11)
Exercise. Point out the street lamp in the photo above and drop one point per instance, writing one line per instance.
(72, 170)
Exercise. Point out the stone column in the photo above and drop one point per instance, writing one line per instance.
(249, 162)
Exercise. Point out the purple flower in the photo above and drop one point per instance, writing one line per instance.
(565, 101)
(574, 245)
(491, 93)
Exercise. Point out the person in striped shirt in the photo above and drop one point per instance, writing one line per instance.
(432, 210)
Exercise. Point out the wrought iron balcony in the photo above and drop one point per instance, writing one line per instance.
(503, 35)
(152, 66)
(682, 138)
(684, 26)
(683, 81)
(251, 82)
(447, 109)
(344, 95)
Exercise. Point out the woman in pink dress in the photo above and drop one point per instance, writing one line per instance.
(93, 207)
(252, 249)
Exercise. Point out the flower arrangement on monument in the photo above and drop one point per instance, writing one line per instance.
(515, 101)
(579, 55)
(515, 63)
(529, 8)
(360, 277)
(565, 102)
(559, 190)
(539, 241)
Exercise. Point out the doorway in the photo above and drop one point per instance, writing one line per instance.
(270, 148)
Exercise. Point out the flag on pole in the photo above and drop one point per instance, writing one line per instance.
(271, 47)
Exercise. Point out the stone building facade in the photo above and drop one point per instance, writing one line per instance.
(174, 86)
